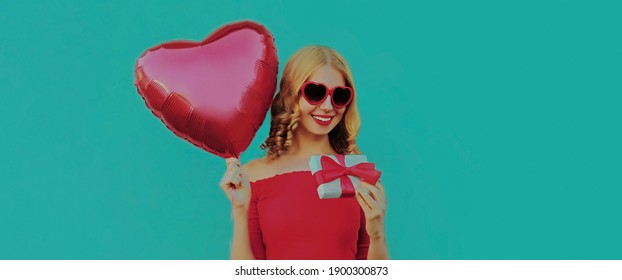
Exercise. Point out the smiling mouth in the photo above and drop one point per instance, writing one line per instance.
(323, 118)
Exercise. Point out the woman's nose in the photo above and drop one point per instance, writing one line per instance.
(327, 104)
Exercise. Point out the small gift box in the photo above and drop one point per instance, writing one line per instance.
(337, 175)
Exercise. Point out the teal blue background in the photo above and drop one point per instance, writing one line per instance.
(496, 124)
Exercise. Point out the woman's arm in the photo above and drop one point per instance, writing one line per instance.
(236, 186)
(241, 246)
(378, 249)
(374, 204)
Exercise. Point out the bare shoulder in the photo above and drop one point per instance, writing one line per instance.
(258, 169)
(265, 167)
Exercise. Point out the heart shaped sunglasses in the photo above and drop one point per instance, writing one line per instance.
(315, 93)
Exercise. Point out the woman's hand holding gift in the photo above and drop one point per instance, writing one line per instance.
(374, 204)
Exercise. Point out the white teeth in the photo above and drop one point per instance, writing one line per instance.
(322, 119)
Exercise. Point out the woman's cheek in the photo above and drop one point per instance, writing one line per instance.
(337, 120)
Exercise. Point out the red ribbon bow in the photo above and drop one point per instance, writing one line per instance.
(333, 169)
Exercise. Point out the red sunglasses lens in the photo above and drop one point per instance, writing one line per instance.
(314, 93)
(341, 96)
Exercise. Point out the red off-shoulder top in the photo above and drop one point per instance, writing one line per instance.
(287, 220)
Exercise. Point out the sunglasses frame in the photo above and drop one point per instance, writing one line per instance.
(329, 91)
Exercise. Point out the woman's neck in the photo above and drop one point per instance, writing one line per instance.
(305, 144)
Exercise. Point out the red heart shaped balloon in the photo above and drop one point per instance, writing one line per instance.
(214, 93)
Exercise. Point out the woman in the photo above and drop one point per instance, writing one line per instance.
(314, 113)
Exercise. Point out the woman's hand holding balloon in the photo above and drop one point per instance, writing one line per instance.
(236, 185)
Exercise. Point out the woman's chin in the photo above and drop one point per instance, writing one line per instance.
(317, 130)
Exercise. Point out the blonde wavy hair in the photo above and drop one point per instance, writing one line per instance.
(285, 110)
